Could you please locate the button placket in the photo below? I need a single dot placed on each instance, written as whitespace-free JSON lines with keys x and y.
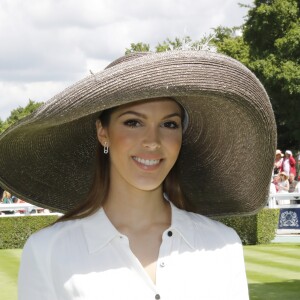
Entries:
{"x":163,"y":260}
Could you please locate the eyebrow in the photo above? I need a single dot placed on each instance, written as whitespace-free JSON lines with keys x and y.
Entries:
{"x":131,"y":112}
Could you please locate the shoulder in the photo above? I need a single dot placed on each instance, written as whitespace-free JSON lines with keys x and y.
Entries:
{"x":204,"y":232}
{"x":44,"y":239}
{"x":213,"y":227}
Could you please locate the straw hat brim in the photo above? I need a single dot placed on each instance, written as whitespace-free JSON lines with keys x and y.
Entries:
{"x":48,"y":158}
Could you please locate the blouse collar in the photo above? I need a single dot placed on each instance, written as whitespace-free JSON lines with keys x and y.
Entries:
{"x":99,"y":231}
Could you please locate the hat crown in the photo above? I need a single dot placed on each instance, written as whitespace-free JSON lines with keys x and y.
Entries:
{"x":126,"y":58}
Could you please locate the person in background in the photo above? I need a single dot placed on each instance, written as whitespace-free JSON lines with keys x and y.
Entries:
{"x":7,"y":199}
{"x":297,"y":190}
{"x":275,"y":181}
{"x":272,"y":200}
{"x":273,"y":189}
{"x":20,"y":201}
{"x":278,"y":161}
{"x":283,"y":183}
{"x":292,"y":183}
{"x":289,"y":164}
{"x":283,"y":187}
{"x":298,"y":166}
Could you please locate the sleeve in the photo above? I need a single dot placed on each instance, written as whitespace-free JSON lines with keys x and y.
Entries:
{"x":34,"y":282}
{"x":292,"y":161}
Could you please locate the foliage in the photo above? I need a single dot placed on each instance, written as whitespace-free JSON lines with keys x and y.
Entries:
{"x":272,"y":32}
{"x":19,"y":113}
{"x":168,"y":44}
{"x":14,"y":231}
{"x":139,"y":47}
{"x":229,"y":41}
{"x":178,"y":43}
{"x":255,"y":229}
{"x":267,"y":222}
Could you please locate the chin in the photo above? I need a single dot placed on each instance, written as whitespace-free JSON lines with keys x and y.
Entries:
{"x":148,"y":187}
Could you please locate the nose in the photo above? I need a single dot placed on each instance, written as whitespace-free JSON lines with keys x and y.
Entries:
{"x":151,"y":139}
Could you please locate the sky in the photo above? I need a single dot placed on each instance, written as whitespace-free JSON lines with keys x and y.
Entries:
{"x":47,"y":45}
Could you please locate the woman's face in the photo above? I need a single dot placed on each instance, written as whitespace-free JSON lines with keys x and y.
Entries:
{"x":144,"y":141}
{"x":282,"y":178}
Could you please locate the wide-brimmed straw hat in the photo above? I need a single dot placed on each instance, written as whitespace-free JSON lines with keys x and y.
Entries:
{"x":278,"y":152}
{"x":284,"y":175}
{"x":228,"y":149}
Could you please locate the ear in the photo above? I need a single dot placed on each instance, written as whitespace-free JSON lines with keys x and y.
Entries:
{"x":101,"y":133}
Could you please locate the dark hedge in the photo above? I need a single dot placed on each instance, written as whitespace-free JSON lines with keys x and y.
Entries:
{"x":14,"y":231}
{"x":255,"y":229}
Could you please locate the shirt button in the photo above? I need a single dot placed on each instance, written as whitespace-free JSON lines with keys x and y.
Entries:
{"x":170,"y":233}
{"x":162,"y":264}
{"x":157,"y":296}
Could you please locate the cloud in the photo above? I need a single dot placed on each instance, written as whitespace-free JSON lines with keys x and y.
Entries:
{"x":46,"y":45}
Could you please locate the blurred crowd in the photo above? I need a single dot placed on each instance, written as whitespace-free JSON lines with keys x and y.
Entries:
{"x":286,"y":173}
{"x":8,"y":198}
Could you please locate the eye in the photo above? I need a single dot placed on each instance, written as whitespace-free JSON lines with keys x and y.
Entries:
{"x":170,"y":124}
{"x":132,"y":123}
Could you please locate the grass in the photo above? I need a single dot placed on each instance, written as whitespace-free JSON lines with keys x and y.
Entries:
{"x":273,"y":272}
{"x":9,"y":265}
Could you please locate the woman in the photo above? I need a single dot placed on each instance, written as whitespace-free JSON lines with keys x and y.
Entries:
{"x":278,"y":161}
{"x":288,"y":165}
{"x":283,"y":187}
{"x":283,"y":183}
{"x":161,"y":124}
{"x":7,"y":199}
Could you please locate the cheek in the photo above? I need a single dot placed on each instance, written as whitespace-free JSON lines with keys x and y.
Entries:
{"x":173,"y":142}
{"x":121,"y":141}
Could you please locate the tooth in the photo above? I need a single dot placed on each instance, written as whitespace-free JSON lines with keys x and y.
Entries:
{"x":148,"y":162}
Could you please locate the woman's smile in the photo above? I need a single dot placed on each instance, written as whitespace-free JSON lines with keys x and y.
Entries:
{"x":147,"y":164}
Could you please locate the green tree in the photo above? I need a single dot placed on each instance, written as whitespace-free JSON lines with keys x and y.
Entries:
{"x":272,"y":31}
{"x":19,"y":113}
{"x":168,"y":44}
{"x":230,"y":41}
{"x":138,"y":47}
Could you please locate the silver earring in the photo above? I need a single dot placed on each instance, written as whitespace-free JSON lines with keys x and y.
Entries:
{"x":105,"y":151}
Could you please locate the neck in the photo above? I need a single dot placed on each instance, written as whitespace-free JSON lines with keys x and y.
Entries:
{"x":136,"y":208}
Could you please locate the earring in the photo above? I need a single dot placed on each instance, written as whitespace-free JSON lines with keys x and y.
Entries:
{"x":105,"y":151}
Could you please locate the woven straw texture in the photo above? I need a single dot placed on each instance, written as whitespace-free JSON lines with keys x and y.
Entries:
{"x":227,"y":156}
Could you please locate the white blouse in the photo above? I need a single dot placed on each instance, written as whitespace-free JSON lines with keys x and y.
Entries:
{"x":89,"y":259}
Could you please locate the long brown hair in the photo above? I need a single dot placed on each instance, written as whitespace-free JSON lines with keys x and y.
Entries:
{"x":101,"y":182}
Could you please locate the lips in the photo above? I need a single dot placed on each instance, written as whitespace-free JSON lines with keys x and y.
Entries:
{"x":146,"y":162}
